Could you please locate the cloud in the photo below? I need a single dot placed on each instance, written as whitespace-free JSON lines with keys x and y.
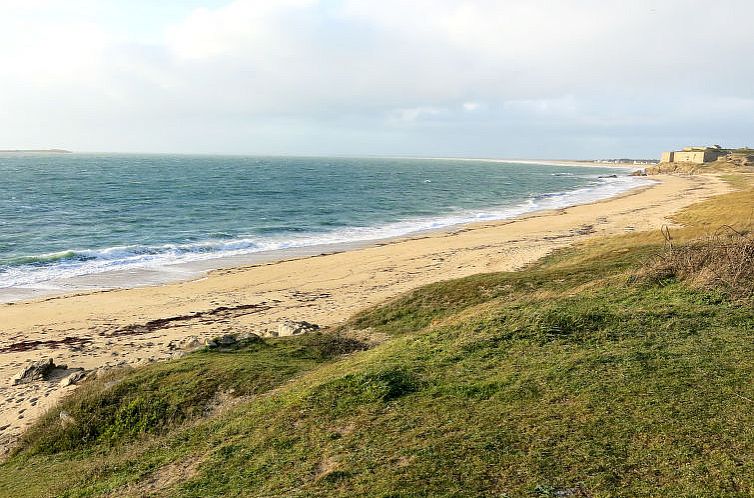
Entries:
{"x":578,"y":78}
{"x":414,"y":114}
{"x":233,"y":29}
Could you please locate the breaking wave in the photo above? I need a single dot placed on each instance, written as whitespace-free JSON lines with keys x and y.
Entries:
{"x":40,"y":270}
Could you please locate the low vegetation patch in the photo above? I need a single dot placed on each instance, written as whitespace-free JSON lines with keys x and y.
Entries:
{"x":130,"y":403}
{"x":723,"y":261}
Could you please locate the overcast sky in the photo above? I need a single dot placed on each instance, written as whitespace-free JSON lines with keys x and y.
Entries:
{"x":481,"y":78}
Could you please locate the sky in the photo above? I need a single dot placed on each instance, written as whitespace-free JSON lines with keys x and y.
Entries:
{"x":476,"y":78}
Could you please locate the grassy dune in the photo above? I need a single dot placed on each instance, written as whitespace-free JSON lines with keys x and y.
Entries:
{"x":614,"y":368}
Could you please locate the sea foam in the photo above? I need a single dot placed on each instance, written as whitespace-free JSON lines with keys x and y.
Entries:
{"x":44,"y":270}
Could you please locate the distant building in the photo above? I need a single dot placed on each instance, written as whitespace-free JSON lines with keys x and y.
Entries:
{"x":697,"y":155}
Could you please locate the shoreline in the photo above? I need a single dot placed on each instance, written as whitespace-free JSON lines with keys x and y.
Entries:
{"x":184,"y":271}
{"x":546,"y":162}
{"x":97,"y":329}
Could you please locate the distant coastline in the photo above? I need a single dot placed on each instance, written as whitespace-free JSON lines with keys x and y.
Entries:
{"x":37,"y":151}
{"x":587,"y":163}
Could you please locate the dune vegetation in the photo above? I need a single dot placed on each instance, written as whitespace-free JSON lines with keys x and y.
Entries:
{"x":623,"y":366}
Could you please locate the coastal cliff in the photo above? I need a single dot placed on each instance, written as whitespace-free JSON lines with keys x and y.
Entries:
{"x":743,"y":163}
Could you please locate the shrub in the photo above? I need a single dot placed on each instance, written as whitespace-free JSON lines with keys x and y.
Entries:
{"x":722,"y":261}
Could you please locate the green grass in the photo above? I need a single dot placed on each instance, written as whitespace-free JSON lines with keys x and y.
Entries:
{"x":571,"y":378}
{"x":153,"y":399}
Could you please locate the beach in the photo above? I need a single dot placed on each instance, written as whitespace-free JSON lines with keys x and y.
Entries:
{"x":106,"y":329}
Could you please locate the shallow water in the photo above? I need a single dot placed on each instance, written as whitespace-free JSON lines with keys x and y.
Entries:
{"x":77,"y":216}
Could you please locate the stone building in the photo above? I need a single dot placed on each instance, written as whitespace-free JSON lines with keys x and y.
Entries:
{"x":697,"y":155}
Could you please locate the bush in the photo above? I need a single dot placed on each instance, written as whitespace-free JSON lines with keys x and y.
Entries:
{"x":722,"y":261}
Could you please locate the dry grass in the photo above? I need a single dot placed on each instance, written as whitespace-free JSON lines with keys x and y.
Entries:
{"x":723,"y":260}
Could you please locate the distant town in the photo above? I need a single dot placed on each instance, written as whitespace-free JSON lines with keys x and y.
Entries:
{"x":626,"y":161}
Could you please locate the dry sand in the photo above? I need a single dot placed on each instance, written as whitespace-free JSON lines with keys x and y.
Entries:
{"x":136,"y":326}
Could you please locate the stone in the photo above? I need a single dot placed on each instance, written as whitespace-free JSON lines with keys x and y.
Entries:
{"x":37,"y":370}
{"x":223,"y":341}
{"x":226,"y":340}
{"x":248,"y":337}
{"x":73,"y":378}
{"x":192,"y":344}
{"x":289,"y":328}
{"x":66,"y":418}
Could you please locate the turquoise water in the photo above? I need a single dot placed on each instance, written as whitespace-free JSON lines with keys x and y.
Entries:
{"x":64,"y":216}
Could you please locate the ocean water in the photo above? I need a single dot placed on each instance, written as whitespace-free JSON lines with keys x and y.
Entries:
{"x":69,"y":216}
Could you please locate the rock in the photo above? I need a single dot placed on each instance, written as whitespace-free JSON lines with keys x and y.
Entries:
{"x":248,"y":337}
{"x":37,"y":370}
{"x":66,"y":418}
{"x":192,"y":344}
{"x":223,"y":341}
{"x":226,"y":340}
{"x":289,"y":328}
{"x":73,"y":378}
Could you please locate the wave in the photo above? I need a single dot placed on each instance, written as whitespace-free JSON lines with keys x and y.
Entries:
{"x":39,"y":270}
{"x":40,"y":259}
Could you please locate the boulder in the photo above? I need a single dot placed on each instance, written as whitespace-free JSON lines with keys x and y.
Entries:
{"x":73,"y":378}
{"x":192,"y":344}
{"x":36,"y":370}
{"x":66,"y":418}
{"x":223,"y":341}
{"x":289,"y":328}
{"x":226,"y":340}
{"x":248,"y":337}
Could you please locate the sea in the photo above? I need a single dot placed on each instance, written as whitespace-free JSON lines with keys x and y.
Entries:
{"x":97,"y":221}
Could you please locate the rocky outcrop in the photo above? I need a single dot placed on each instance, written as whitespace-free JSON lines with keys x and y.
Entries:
{"x":74,"y":378}
{"x":49,"y":371}
{"x":289,"y":328}
{"x":731,"y":162}
{"x":687,"y":168}
{"x":231,"y":341}
{"x":222,"y":341}
{"x":190,"y":343}
{"x":36,"y":370}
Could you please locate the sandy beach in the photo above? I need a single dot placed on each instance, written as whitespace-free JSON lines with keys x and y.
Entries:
{"x":141,"y":325}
